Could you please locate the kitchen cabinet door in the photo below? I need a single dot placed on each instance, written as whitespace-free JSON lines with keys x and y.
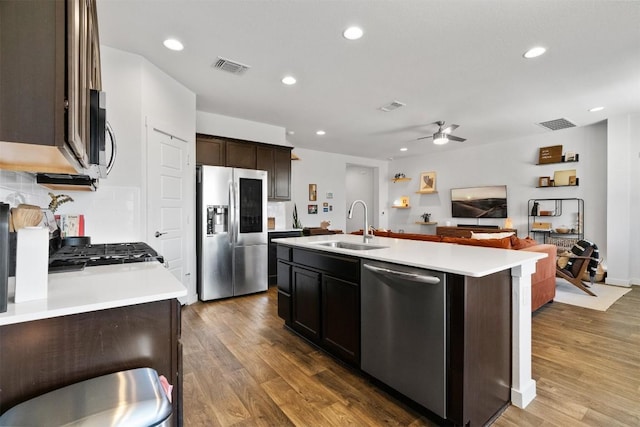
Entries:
{"x":241,"y":155}
{"x":265,"y":161}
{"x":282,"y":174}
{"x":210,"y":151}
{"x":341,"y":318}
{"x":277,"y":162}
{"x":305,"y":296}
{"x":49,"y":61}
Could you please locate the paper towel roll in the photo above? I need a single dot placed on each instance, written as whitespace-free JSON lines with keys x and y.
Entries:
{"x":32,"y":263}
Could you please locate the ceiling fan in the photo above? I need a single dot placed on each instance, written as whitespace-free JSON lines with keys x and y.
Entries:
{"x":443,"y":135}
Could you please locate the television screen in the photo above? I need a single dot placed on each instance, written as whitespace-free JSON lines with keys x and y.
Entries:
{"x":479,"y":202}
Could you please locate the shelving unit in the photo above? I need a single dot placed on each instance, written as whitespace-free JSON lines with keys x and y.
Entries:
{"x":427,"y":192}
{"x":561,"y":162}
{"x":427,"y":223}
{"x":400,"y":179}
{"x":557,"y":186}
{"x":400,"y":207}
{"x":557,"y":208}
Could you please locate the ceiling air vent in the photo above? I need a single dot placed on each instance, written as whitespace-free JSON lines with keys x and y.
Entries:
{"x":557,"y":124}
{"x":230,"y":66}
{"x":392,"y":106}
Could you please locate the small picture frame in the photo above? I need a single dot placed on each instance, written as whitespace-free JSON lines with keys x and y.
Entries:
{"x":313,"y":193}
{"x":544,"y":181}
{"x":570,"y":156}
{"x":573,"y":180}
{"x":427,"y":182}
{"x":312,"y":209}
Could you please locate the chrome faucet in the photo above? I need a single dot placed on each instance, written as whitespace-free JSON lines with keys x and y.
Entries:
{"x":365,"y":231}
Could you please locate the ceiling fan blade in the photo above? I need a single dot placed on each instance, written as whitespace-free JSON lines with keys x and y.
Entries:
{"x":455,"y":138}
{"x":426,"y":137}
{"x":450,"y":128}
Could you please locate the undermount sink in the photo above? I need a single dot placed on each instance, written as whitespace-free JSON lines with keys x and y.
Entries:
{"x":350,"y":245}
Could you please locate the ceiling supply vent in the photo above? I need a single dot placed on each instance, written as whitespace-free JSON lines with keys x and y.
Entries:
{"x":392,"y":106}
{"x":230,"y":66}
{"x":557,"y":124}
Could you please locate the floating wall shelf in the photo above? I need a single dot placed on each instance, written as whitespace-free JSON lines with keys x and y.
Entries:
{"x":401,"y":179}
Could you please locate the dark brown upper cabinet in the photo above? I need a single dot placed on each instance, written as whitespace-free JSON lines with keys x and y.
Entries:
{"x":50,"y":60}
{"x":275,"y":159}
{"x":210,"y":150}
{"x":241,"y":155}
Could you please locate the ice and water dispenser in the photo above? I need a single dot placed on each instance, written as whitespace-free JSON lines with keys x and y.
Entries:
{"x":217,"y":219}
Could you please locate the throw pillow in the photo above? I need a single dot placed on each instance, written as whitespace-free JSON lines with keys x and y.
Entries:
{"x":492,"y":235}
{"x":518,"y":243}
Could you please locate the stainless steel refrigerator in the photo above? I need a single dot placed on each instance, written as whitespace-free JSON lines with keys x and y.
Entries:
{"x":231,"y":232}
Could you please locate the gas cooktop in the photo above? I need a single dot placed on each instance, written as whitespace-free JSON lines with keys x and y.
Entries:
{"x":69,"y":258}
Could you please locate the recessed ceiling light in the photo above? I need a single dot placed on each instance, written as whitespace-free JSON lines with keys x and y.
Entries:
{"x":320,"y":132}
{"x":353,"y":33}
{"x":595,"y":109}
{"x":404,"y":149}
{"x":289,"y":80}
{"x":173,"y":44}
{"x":534,"y":52}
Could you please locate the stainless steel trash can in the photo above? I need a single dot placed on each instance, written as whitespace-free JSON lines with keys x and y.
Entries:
{"x":127,"y":398}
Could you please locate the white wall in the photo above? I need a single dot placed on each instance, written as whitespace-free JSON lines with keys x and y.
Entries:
{"x":329,"y":172}
{"x":623,"y":201}
{"x":512,"y":163}
{"x":231,"y":127}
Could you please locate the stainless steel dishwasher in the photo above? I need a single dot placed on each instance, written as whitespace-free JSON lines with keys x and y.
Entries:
{"x":403,"y":331}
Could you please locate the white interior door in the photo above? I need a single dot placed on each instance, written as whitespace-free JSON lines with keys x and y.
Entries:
{"x":167,"y":216}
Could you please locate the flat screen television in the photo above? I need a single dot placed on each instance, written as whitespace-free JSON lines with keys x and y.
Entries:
{"x":479,"y":202}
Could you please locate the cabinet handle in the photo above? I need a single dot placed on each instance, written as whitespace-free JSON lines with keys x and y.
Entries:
{"x":433,"y":280}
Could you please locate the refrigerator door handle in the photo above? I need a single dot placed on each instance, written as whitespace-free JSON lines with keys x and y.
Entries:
{"x":231,"y":226}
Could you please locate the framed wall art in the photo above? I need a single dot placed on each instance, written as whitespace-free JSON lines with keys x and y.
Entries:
{"x":313,"y":192}
{"x":427,"y":182}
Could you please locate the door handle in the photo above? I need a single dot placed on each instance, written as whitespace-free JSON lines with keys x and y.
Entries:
{"x":158,"y":234}
{"x":412,"y":277}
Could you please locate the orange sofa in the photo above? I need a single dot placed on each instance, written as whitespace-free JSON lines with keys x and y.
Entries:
{"x":543,"y":281}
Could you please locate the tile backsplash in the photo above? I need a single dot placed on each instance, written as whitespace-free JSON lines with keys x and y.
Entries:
{"x":21,"y":187}
{"x":112,"y":214}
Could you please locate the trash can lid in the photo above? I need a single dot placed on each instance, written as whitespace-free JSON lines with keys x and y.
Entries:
{"x":127,"y":398}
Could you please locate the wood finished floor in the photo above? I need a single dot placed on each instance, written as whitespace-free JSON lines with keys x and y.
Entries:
{"x":242,"y":368}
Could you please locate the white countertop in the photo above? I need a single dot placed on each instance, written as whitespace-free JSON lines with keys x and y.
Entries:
{"x":286,"y":230}
{"x":466,"y":260}
{"x":97,"y":288}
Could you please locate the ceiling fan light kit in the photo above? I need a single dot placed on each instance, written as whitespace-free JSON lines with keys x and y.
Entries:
{"x":443,"y":135}
{"x":440,"y":139}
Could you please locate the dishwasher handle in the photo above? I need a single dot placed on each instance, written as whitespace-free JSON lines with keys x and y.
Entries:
{"x":432,"y":280}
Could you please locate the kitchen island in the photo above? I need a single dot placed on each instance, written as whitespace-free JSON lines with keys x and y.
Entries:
{"x":93,"y":322}
{"x":322,"y":295}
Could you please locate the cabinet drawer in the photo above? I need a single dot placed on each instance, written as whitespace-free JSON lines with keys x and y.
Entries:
{"x":284,"y":253}
{"x":342,"y":267}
